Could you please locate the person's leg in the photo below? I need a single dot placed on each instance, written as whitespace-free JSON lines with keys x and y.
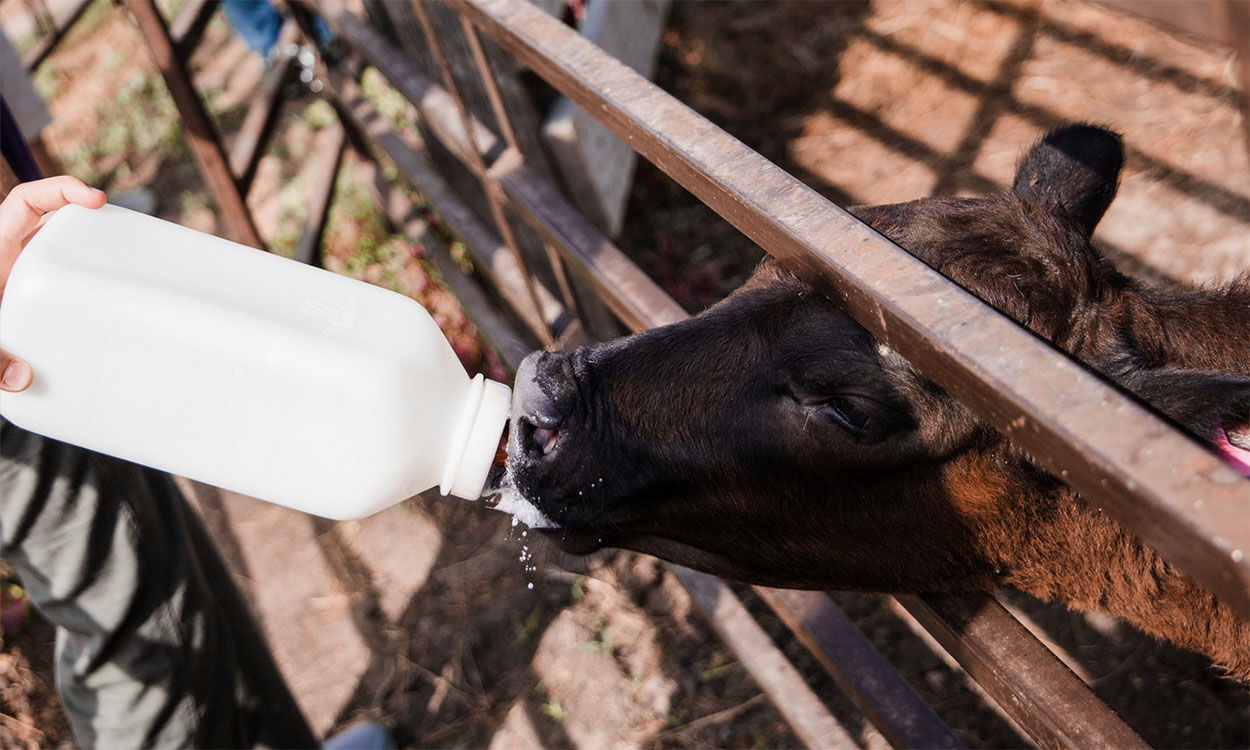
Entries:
{"x":155,"y":645}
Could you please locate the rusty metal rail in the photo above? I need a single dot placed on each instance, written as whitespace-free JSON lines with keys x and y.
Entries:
{"x":802,"y":710}
{"x":186,"y":28}
{"x":40,"y":50}
{"x":1027,"y":681}
{"x":858,"y":669}
{"x":201,"y":134}
{"x":489,"y":254}
{"x":245,"y":151}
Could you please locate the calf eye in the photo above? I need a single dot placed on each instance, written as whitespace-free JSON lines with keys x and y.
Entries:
{"x":851,"y":416}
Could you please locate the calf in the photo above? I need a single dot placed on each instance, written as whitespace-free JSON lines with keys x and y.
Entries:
{"x":772,"y":439}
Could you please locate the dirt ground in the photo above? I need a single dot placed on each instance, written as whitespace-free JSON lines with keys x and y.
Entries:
{"x":424,"y":617}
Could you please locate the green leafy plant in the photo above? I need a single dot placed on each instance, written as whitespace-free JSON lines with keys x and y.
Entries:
{"x":523,"y":631}
{"x":602,"y":642}
{"x":552,"y":709}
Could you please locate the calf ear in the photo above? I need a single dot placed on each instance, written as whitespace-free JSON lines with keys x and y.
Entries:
{"x":1076,"y":167}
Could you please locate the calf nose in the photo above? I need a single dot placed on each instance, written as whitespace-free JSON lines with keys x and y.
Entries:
{"x":542,"y":398}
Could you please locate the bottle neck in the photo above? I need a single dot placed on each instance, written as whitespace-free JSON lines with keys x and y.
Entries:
{"x":476,"y":437}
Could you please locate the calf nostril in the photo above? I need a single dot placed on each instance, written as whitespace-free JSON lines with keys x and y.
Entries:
{"x":543,"y":398}
{"x":537,"y":441}
{"x":545,"y":439}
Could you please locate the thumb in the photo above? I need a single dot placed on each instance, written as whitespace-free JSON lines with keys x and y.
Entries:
{"x":15,"y":374}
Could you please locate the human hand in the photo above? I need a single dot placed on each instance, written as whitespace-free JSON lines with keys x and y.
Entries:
{"x":21,"y":213}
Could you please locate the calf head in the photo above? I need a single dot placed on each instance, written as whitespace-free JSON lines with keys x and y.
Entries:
{"x":772,"y":439}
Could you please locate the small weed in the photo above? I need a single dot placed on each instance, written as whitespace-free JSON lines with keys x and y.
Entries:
{"x":47,"y":81}
{"x":460,"y":254}
{"x":390,"y":103}
{"x":716,"y":667}
{"x":171,"y":7}
{"x":522,"y":632}
{"x":116,"y":59}
{"x":602,"y":643}
{"x":190,"y":202}
{"x":318,"y":115}
{"x":578,"y":590}
{"x":293,"y":209}
{"x":210,"y":96}
{"x":552,"y":709}
{"x":356,"y":230}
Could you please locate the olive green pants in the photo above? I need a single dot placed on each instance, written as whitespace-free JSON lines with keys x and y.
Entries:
{"x":155,"y":646}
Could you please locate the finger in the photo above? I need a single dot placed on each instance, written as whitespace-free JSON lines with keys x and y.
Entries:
{"x":15,"y":374}
{"x":28,"y":202}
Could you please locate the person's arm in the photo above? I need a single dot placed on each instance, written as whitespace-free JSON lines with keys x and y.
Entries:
{"x":21,"y":213}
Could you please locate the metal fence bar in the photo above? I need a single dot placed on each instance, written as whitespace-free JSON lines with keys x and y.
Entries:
{"x":487,"y":76}
{"x":858,"y":669}
{"x":796,"y":702}
{"x":500,"y":334}
{"x":1038,"y":691}
{"x":489,"y":255}
{"x":188,"y":26}
{"x":1156,"y":481}
{"x":320,"y":191}
{"x":629,"y":293}
{"x":200,"y":132}
{"x":42,"y":48}
{"x":489,"y":84}
{"x":490,"y":186}
{"x":438,"y":110}
{"x":249,"y":142}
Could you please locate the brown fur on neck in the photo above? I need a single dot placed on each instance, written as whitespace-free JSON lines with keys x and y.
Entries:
{"x":1056,"y":546}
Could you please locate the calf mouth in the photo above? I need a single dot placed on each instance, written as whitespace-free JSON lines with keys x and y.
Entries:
{"x":536,"y":441}
{"x":549,"y":453}
{"x":532,"y":448}
{"x":525,"y":442}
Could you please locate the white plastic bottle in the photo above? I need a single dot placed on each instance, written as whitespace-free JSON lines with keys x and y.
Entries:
{"x":202,"y":357}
